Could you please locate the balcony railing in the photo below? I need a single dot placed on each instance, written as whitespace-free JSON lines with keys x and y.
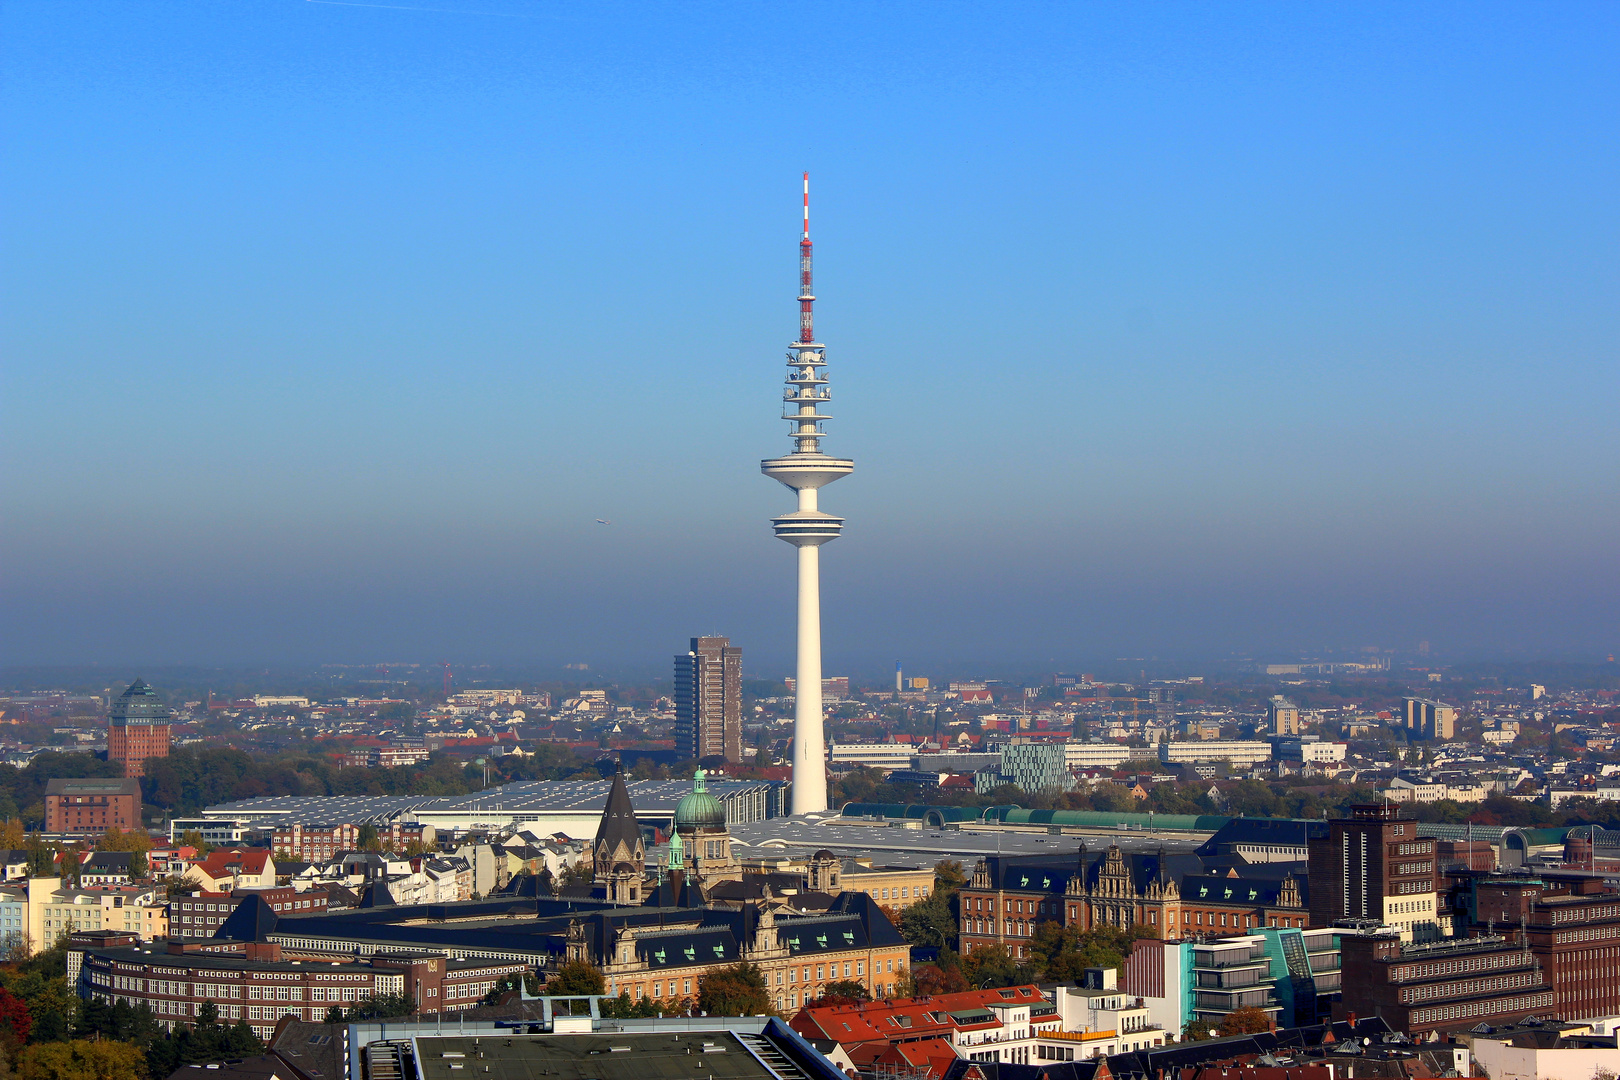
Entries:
{"x":1258,"y":999}
{"x":1233,"y":978}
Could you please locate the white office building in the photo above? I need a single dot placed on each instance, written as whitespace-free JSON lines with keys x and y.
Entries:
{"x":1234,"y":751}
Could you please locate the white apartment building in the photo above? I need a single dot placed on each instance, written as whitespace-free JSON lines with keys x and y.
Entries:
{"x":1235,"y":751}
{"x":887,"y":756}
{"x":1310,"y":751}
{"x":1602,"y":793}
{"x":1082,"y":755}
{"x":1401,"y":790}
{"x":1098,"y":1018}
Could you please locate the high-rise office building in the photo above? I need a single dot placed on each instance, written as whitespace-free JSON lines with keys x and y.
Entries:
{"x":139,"y":728}
{"x":1373,"y":865}
{"x":708,"y":700}
{"x":1431,"y":719}
{"x":1282,"y":716}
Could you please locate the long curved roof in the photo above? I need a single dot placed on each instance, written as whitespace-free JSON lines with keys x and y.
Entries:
{"x":1016,"y":815}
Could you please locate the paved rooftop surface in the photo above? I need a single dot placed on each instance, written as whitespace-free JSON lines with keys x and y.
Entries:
{"x":676,"y":1056}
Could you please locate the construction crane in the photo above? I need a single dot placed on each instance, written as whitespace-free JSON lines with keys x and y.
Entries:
{"x":1135,"y":704}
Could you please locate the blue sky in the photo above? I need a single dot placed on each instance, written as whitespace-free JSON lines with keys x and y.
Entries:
{"x":1178,"y":329}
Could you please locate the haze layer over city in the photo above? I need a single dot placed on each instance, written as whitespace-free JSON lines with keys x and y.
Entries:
{"x":360,"y":333}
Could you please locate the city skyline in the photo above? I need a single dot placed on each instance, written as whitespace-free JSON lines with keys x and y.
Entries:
{"x":1237,"y":331}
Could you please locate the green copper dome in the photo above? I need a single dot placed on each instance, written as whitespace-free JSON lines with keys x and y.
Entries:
{"x":699,"y":810}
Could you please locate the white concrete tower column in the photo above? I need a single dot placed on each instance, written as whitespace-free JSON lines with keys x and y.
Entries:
{"x":806,"y":470}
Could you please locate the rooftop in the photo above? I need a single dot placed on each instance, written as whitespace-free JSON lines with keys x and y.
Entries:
{"x":716,"y":1053}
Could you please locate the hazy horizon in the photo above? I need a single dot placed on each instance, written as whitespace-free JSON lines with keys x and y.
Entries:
{"x":1174,"y":330}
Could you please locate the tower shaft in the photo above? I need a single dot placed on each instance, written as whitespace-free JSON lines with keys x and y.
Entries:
{"x":809,"y":738}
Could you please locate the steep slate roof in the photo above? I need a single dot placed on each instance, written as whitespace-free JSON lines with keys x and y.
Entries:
{"x":105,"y":862}
{"x":1245,"y":888}
{"x":853,"y":922}
{"x":251,"y":921}
{"x":1287,"y":832}
{"x":376,"y":895}
{"x":619,"y":824}
{"x":1051,"y":873}
{"x":666,"y":895}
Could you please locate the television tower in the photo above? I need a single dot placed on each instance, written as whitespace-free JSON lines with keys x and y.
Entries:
{"x":806,"y":470}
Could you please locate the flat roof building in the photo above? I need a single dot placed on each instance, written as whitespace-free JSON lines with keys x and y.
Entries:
{"x":90,"y":806}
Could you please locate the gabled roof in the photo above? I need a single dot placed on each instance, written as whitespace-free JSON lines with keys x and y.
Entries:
{"x":912,"y":1018}
{"x":228,"y":861}
{"x":105,"y":862}
{"x":1051,"y":873}
{"x":688,"y":895}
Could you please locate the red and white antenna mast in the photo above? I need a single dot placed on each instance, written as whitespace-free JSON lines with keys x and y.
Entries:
{"x":807,"y":294}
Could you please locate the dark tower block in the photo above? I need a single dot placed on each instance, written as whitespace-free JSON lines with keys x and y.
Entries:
{"x":708,"y":700}
{"x":1372,"y":865}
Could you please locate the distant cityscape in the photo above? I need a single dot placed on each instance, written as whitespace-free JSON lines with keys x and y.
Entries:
{"x":1141,"y":866}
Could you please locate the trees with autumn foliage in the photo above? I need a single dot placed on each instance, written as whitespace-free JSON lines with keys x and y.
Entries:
{"x":1062,"y":953}
{"x":15,"y":1022}
{"x":1245,"y":1021}
{"x":925,"y":980}
{"x":81,"y":1059}
{"x":841,"y":992}
{"x":738,"y":990}
{"x":576,"y":979}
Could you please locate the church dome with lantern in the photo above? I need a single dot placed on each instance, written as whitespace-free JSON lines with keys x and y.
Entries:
{"x":699,"y":811}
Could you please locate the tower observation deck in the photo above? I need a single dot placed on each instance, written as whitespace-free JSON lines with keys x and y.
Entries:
{"x":806,"y":470}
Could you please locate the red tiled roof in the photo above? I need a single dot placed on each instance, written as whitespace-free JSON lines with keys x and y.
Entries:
{"x":911,"y":1019}
{"x":221,"y":863}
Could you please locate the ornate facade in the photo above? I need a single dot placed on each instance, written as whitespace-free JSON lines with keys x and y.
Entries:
{"x":663,"y":953}
{"x":1008,"y":897}
{"x":1172,"y":895}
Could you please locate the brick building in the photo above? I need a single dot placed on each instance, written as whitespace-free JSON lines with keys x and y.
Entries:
{"x":1007,"y":897}
{"x":138,"y":729}
{"x":259,"y":983}
{"x":201,"y":914}
{"x":1571,"y":924}
{"x":317,"y":843}
{"x":1443,"y":986}
{"x":1373,"y":865}
{"x":90,"y":807}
